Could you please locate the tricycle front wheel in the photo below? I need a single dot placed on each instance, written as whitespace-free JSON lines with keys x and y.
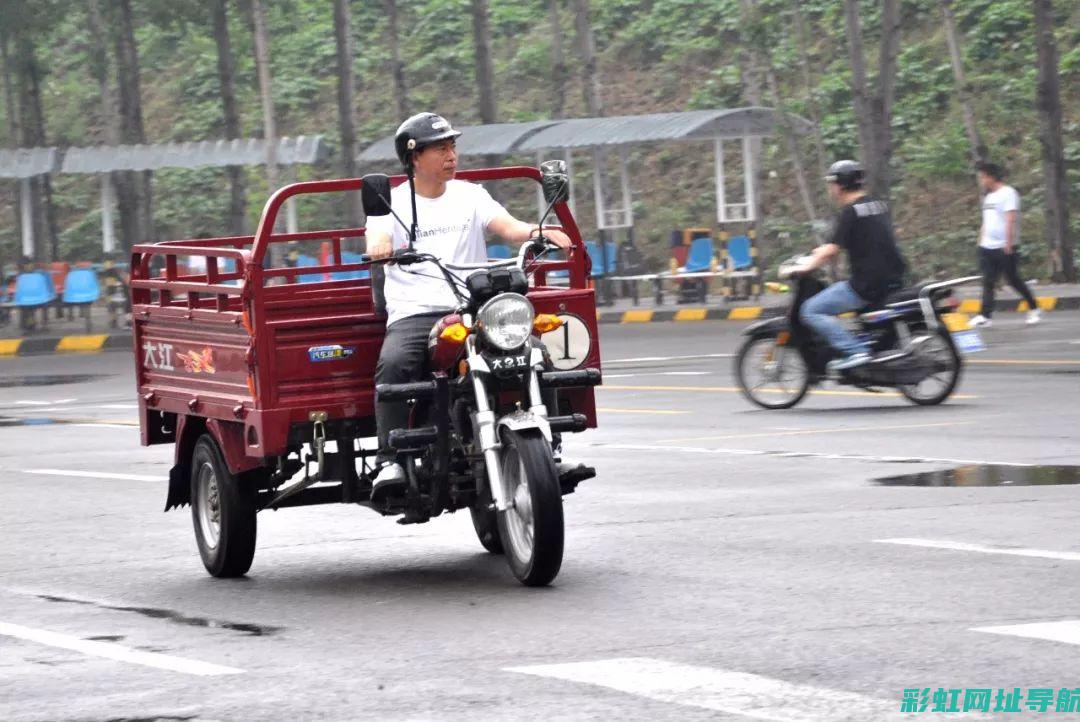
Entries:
{"x":532,"y":528}
{"x":223,"y":510}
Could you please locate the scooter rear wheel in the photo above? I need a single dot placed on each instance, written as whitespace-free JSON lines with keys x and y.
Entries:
{"x":770,"y":375}
{"x":940,"y":351}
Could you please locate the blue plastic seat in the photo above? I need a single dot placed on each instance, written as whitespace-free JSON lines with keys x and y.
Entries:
{"x":612,"y":257}
{"x":34,"y":289}
{"x":348,"y":257}
{"x":739,"y":252}
{"x":597,"y":259}
{"x":700,"y":257}
{"x":303,"y":261}
{"x":498,"y":251}
{"x":81,"y":286}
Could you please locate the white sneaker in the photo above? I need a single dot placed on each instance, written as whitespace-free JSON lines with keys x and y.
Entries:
{"x":1034,"y":316}
{"x":980,"y":320}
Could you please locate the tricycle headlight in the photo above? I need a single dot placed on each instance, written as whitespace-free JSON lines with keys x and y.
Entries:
{"x":506,"y":321}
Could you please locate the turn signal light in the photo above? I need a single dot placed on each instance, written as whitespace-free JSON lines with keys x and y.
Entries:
{"x":545,"y":322}
{"x":455,"y":333}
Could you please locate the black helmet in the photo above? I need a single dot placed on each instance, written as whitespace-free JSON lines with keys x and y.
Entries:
{"x":848,"y":174}
{"x":420,"y":130}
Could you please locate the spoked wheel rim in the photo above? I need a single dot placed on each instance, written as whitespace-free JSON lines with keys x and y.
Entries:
{"x":209,"y":505}
{"x":772,"y":375}
{"x":938,"y":352}
{"x":520,"y":520}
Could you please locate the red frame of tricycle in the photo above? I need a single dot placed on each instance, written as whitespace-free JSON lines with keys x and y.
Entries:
{"x":233,"y":356}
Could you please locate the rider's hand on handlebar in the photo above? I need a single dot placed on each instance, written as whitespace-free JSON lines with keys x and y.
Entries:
{"x":380,"y":249}
{"x":559,"y":238}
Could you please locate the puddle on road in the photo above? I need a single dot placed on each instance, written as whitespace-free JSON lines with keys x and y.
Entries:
{"x":8,"y":382}
{"x":253,"y":630}
{"x":988,"y":475}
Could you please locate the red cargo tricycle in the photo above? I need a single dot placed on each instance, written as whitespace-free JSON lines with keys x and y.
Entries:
{"x":261,"y":374}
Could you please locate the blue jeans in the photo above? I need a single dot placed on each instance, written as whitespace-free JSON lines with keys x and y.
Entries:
{"x":820,"y":314}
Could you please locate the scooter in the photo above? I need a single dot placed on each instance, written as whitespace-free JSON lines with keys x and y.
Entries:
{"x":913,"y":349}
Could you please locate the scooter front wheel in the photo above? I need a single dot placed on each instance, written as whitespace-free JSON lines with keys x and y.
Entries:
{"x":770,"y":374}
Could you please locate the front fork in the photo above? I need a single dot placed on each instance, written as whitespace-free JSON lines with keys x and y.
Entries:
{"x":486,"y":427}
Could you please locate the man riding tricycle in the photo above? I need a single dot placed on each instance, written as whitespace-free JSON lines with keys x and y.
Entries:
{"x":271,"y":388}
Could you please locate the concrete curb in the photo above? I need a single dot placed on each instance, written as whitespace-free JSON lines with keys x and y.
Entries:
{"x":749,"y":313}
{"x":122,"y":341}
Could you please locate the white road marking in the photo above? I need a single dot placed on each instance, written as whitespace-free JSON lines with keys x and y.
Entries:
{"x":95,"y":474}
{"x":33,"y":403}
{"x":797,"y":454}
{"x":1067,"y":630}
{"x":739,"y":693}
{"x":658,"y":373}
{"x":122,"y":407}
{"x":984,"y":549}
{"x":643,"y":359}
{"x":805,"y":432}
{"x":118,"y":652}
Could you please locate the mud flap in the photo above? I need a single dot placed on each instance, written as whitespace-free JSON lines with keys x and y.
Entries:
{"x":179,"y":488}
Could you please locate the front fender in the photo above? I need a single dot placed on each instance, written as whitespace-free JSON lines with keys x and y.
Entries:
{"x":522,"y":420}
{"x":768,"y":327}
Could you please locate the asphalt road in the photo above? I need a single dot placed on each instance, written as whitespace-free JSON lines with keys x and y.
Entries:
{"x":727,"y":563}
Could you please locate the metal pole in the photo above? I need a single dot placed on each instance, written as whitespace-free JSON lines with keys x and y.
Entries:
{"x":292,"y":223}
{"x":624,"y":179}
{"x":108,"y":231}
{"x":26,"y":205}
{"x":540,"y":204}
{"x":748,"y":179}
{"x":598,"y":189}
{"x":569,"y":154}
{"x":721,"y":196}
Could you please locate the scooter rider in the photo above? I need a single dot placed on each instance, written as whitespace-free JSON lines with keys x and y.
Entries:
{"x":864,"y":229}
{"x":453,"y":216}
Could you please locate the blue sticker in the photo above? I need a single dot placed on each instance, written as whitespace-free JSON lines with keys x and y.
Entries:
{"x":330,"y":353}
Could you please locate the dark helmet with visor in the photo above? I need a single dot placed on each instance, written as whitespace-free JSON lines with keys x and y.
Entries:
{"x":847,"y":174}
{"x":418,"y":131}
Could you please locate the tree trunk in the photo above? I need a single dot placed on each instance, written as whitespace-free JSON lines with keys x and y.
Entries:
{"x":32,"y":128}
{"x":590,"y":75}
{"x":345,"y":91}
{"x":226,"y":79}
{"x":811,"y":104}
{"x":262,"y":64}
{"x":558,"y":62}
{"x":860,"y":94}
{"x":1048,"y":101}
{"x":882,"y":104}
{"x":397,"y":70}
{"x":963,"y":90}
{"x":485,"y":76}
{"x":12,"y":115}
{"x":131,"y":121}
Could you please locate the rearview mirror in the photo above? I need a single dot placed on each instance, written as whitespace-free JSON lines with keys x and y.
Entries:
{"x":555,"y":181}
{"x":375,"y":194}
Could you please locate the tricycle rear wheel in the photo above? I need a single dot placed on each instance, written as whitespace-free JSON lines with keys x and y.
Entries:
{"x":223,"y":510}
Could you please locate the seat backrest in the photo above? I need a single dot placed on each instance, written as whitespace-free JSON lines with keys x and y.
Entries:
{"x":739,"y":252}
{"x":349,"y":257}
{"x":305,"y":261}
{"x":700,"y":257}
{"x":81,"y":286}
{"x":33,"y":289}
{"x":593,"y":248}
{"x":612,"y":249}
{"x":499,"y":251}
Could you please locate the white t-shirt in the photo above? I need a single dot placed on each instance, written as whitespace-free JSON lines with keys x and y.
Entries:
{"x":994,"y":207}
{"x":451,"y":228}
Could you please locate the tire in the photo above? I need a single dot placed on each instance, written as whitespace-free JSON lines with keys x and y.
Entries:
{"x":223,"y":512}
{"x":755,"y":393}
{"x":486,"y":523}
{"x":941,"y":346}
{"x":532,"y":530}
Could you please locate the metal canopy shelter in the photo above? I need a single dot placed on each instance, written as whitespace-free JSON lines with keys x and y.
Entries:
{"x":24,"y":164}
{"x":618,"y":133}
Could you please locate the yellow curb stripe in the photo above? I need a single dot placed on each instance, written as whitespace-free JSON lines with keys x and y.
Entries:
{"x":956,"y":321}
{"x":81,"y":344}
{"x":637,"y":316}
{"x":746,"y":313}
{"x":10,"y":346}
{"x":970,"y":305}
{"x":691,"y":314}
{"x":1046,"y":303}
{"x":735,"y":390}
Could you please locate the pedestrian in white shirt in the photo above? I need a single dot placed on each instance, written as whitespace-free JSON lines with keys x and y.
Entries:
{"x":998,"y":239}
